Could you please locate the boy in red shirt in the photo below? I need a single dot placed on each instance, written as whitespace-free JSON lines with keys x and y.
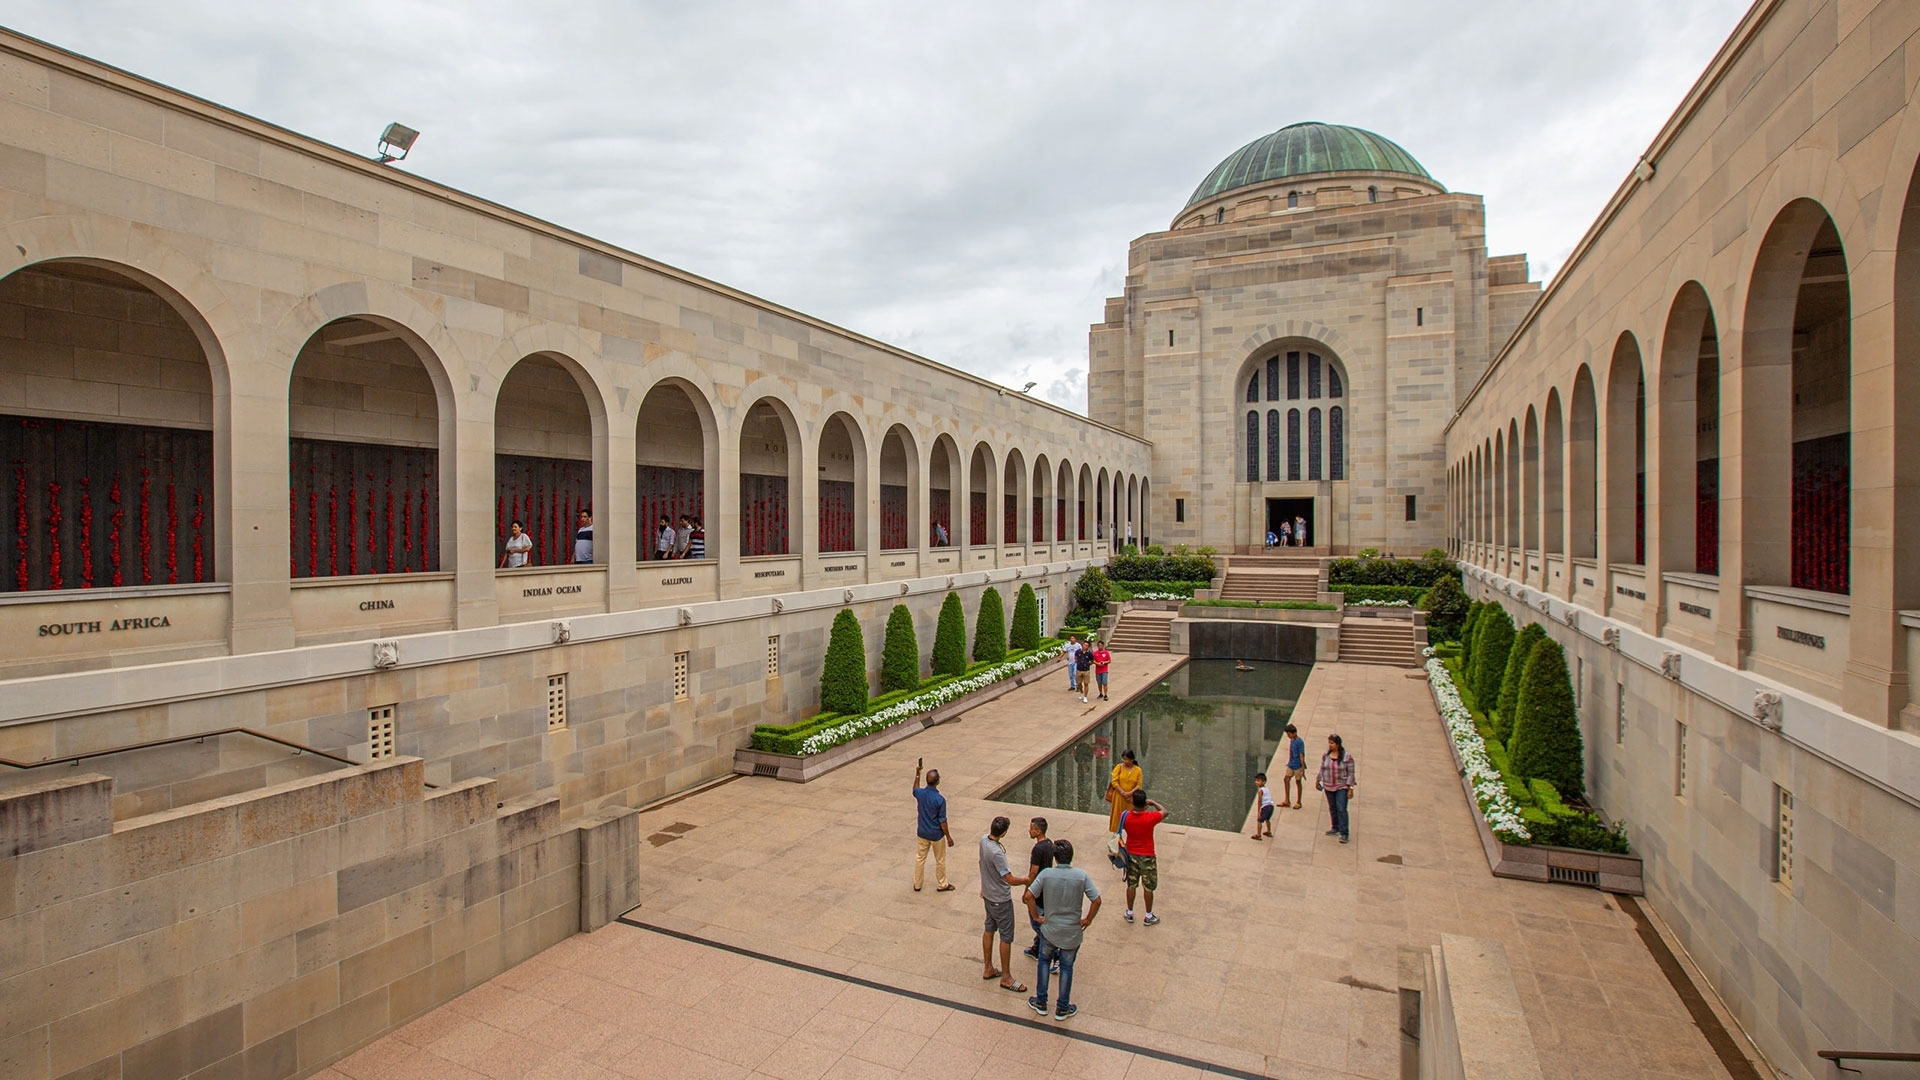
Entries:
{"x":1101,"y":658}
{"x":1143,"y":872}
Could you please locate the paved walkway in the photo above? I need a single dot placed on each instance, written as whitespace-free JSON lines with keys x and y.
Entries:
{"x":786,"y":940}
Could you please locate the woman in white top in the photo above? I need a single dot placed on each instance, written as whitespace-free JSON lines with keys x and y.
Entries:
{"x":519,"y":547}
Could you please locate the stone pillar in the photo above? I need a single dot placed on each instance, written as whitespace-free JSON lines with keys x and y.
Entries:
{"x":1874,"y":683}
{"x":723,"y":502}
{"x":251,"y":489}
{"x":1653,"y":611}
{"x":470,"y":493}
{"x":803,"y":504}
{"x":616,"y":509}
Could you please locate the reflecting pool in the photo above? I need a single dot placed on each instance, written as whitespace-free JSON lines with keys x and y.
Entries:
{"x":1200,"y":736}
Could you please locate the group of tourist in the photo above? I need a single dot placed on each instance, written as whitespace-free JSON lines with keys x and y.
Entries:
{"x":517,"y":551}
{"x":1088,"y":659}
{"x":1061,"y":899}
{"x":687,"y":540}
{"x":1291,"y":534}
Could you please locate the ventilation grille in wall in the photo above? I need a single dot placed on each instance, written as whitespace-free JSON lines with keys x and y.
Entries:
{"x":380,"y":741}
{"x":679,"y":676}
{"x":773,"y":656}
{"x":1570,"y":876}
{"x":1783,"y":838}
{"x":556,"y":701}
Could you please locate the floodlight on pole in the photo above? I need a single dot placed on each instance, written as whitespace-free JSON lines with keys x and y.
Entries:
{"x":396,"y":141}
{"x":1028,"y":387}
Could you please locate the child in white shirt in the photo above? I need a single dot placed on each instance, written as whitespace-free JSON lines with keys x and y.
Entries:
{"x":1264,"y":798}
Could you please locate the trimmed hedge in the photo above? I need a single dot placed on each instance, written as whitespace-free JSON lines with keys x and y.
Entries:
{"x":787,"y":738}
{"x":1424,"y":573}
{"x":1412,"y":594}
{"x":1529,"y":636}
{"x":1446,"y":606}
{"x":900,"y":658}
{"x":1158,"y":567}
{"x":950,"y":638}
{"x":1491,"y":641}
{"x":1546,"y":732}
{"x":843,"y":675}
{"x":1093,"y":590}
{"x":990,"y":628}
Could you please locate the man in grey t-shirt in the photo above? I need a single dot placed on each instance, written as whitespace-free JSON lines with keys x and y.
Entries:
{"x":995,"y":877}
{"x":1053,"y":899}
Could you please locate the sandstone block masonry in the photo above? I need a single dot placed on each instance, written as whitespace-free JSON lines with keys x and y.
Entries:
{"x":266,"y":934}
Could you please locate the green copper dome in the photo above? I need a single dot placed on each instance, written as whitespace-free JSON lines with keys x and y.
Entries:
{"x":1310,"y":147}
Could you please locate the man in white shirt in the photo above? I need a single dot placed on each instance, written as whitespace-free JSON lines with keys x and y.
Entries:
{"x":583,"y":539}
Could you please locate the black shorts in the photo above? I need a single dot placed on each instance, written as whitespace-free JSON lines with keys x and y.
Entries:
{"x":1266,"y":812}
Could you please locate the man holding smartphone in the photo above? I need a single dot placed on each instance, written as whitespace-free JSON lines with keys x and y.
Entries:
{"x":931,"y":829}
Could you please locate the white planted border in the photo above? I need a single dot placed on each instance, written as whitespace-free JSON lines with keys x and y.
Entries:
{"x":1379,"y":603}
{"x":1489,"y":788}
{"x":921,"y":703}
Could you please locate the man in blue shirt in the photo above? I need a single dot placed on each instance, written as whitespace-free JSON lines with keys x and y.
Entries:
{"x":932,"y":830}
{"x":1053,"y":900}
{"x":1296,"y":778}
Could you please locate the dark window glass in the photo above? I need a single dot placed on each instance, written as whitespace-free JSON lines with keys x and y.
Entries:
{"x":1313,"y":444}
{"x":1273,"y":378}
{"x":1253,"y":445}
{"x":1334,"y":387}
{"x":1419,"y":316}
{"x":1337,"y":444}
{"x":1179,"y":509}
{"x":1412,"y":515}
{"x":1293,"y":199}
{"x":1220,"y":215}
{"x":1293,"y":444}
{"x":1293,"y":376}
{"x":1253,"y":387}
{"x":1313,"y":375}
{"x":1373,"y":194}
{"x":1273,"y":444}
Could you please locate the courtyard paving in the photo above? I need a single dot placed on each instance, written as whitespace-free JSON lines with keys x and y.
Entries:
{"x":779,"y":935}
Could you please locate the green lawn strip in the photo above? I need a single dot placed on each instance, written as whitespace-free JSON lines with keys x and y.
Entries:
{"x":1271,"y":605}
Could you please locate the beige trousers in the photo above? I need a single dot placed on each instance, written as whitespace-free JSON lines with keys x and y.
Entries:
{"x":939,"y":862}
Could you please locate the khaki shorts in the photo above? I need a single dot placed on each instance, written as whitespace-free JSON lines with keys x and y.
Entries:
{"x":1300,"y":772}
{"x":1143,"y":872}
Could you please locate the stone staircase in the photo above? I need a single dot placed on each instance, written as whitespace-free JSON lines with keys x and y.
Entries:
{"x":1389,"y":642}
{"x":1294,"y":575}
{"x":1142,"y":630}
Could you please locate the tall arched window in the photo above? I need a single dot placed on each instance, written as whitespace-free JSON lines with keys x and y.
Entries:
{"x":1253,"y":445}
{"x":1293,"y":376}
{"x":1293,"y":444}
{"x":1334,"y":389}
{"x":1273,"y":378}
{"x":1273,"y":444}
{"x":1253,"y":387}
{"x":1336,"y":442}
{"x":1313,"y":375}
{"x":1313,"y":444}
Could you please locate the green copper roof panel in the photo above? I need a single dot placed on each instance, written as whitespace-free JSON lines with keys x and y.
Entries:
{"x":1299,"y":149}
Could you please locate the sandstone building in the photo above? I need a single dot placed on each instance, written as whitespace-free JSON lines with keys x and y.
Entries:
{"x":1313,"y":315}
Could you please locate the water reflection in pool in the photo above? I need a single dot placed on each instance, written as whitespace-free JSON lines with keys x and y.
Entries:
{"x":1200,"y":736}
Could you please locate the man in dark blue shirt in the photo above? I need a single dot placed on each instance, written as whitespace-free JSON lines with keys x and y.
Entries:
{"x":932,"y":830}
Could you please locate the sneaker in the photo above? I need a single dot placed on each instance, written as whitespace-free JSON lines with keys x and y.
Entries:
{"x":1151,"y":918}
{"x":1066,"y":1012}
{"x":1127,"y":914}
{"x":1333,"y":832}
{"x":1038,"y":1005}
{"x":1343,"y":839}
{"x":1032,"y":953}
{"x":1083,"y":699}
{"x":1054,"y":968}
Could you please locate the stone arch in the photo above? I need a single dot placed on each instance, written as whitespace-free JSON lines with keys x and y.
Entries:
{"x":1688,"y":434}
{"x":1530,"y":482}
{"x":1583,"y":483}
{"x":1626,"y":453}
{"x":843,"y":496}
{"x":1795,"y":431}
{"x":676,"y":455}
{"x":1042,"y":513}
{"x":900,"y":499}
{"x":550,"y":455}
{"x":1553,"y":475}
{"x":770,"y":462}
{"x":1511,"y":487}
{"x":1498,"y":490}
{"x":946,"y":481}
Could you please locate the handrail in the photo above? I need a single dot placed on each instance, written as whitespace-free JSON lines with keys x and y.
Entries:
{"x":1868,"y":1055}
{"x":75,"y":759}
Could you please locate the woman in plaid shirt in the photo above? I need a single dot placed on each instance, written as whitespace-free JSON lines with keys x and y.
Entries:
{"x":1336,"y":779}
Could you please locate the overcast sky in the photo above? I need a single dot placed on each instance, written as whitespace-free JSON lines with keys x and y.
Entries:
{"x":959,"y":180}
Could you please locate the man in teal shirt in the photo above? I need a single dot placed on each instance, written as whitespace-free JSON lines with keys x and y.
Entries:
{"x":1053,"y":900}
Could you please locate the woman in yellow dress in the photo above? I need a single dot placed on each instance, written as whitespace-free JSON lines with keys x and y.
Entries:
{"x":1120,"y":789}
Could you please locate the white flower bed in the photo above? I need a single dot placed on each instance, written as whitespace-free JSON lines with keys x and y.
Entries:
{"x":1378,"y":603}
{"x":1160,"y":596}
{"x":924,"y":702}
{"x":1496,"y":805}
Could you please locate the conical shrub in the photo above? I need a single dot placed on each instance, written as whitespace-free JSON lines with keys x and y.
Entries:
{"x":1026,"y":621}
{"x":1472,"y":623}
{"x":1446,"y":606}
{"x":950,"y":638}
{"x":1492,"y":639}
{"x":990,"y":628}
{"x":900,"y":657}
{"x":1523,"y":643}
{"x":843,"y":676}
{"x":1546,"y":732}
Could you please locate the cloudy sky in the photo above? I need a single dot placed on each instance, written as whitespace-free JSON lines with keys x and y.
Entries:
{"x":959,"y":180}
